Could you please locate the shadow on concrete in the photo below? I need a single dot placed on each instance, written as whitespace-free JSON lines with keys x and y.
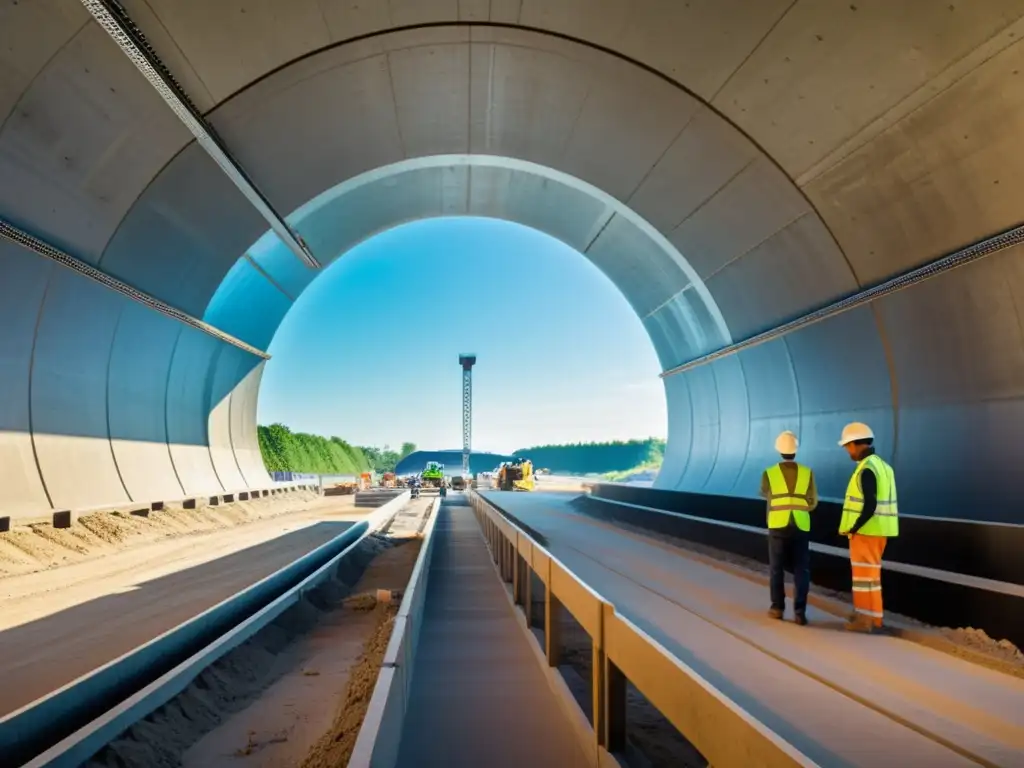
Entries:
{"x":42,"y":655}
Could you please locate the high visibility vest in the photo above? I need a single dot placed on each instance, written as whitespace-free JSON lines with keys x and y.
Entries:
{"x":784,"y":502}
{"x":885,"y":521}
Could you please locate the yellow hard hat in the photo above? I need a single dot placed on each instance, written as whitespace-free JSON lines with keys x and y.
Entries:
{"x":856,"y":431}
{"x":786,"y":443}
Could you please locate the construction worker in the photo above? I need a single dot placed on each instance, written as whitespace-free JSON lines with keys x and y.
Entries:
{"x":792,"y":496}
{"x":870,"y":518}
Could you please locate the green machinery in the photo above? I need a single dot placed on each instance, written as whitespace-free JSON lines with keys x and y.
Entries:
{"x":433,"y":474}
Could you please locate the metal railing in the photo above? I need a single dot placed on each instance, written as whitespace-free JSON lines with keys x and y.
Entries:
{"x":723,"y":732}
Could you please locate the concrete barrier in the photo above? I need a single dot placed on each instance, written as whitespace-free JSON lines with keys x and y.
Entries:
{"x":381,"y":732}
{"x":719,"y":727}
{"x":68,"y":726}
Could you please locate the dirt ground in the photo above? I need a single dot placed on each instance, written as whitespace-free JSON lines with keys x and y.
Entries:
{"x":59,"y":623}
{"x":40,"y":546}
{"x":334,"y":748}
{"x":268,"y":703}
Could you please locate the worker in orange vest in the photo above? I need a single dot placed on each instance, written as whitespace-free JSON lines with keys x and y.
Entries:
{"x":870,"y":518}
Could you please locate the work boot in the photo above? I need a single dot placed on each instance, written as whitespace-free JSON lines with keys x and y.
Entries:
{"x":801,"y":619}
{"x":856,"y":623}
{"x":775,"y":613}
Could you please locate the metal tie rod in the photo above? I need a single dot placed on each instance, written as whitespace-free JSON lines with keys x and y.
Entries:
{"x":129,"y":38}
{"x":47,"y":251}
{"x":960,"y":258}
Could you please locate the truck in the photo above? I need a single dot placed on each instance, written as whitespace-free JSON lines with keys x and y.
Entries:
{"x":433,"y":474}
{"x":516,"y":475}
{"x":458,"y":483}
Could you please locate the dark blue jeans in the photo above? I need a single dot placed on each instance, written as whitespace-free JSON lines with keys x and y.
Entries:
{"x":789,"y":550}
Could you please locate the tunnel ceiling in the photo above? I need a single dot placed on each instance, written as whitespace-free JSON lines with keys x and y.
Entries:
{"x":765,"y":157}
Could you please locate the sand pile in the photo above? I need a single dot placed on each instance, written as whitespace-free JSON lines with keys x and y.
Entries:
{"x":235,"y":680}
{"x":39,"y":546}
{"x":230,"y":683}
{"x":334,"y":748}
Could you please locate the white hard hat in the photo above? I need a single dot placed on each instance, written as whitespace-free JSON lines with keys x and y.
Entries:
{"x":786,"y":443}
{"x":856,"y":431}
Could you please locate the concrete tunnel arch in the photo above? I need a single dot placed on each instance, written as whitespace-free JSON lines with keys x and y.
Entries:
{"x":100,"y":425}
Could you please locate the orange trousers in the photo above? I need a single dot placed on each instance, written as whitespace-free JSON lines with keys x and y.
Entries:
{"x":866,"y":561}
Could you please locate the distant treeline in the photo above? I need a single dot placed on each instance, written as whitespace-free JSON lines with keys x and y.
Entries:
{"x":287,"y":451}
{"x":597,"y":458}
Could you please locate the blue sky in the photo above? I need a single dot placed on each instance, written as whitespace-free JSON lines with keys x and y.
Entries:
{"x":370,"y":350}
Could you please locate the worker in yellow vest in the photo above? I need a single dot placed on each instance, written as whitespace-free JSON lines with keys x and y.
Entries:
{"x":792,"y":496}
{"x":870,"y":518}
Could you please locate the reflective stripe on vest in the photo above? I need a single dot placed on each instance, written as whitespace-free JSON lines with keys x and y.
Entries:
{"x":885,"y":521}
{"x":784,"y":502}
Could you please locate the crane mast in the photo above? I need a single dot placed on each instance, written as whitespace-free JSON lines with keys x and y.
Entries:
{"x":467,"y":362}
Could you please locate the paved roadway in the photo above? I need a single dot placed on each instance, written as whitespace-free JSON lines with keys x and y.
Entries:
{"x":478,"y":697}
{"x":126,"y":599}
{"x":844,"y":699}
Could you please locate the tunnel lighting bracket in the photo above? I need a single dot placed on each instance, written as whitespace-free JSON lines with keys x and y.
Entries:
{"x":971,"y":253}
{"x":25,"y":240}
{"x":113,"y":18}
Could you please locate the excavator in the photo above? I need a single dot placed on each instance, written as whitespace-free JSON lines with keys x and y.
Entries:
{"x":516,"y":475}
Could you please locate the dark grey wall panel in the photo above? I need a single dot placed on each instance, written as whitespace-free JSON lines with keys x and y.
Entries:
{"x":231,"y":307}
{"x":188,"y":386}
{"x":680,"y":432}
{"x":440,"y":124}
{"x":184,"y":234}
{"x":568,"y":214}
{"x":347,"y":220}
{"x":734,"y":433}
{"x":83,"y":141}
{"x":22,"y":287}
{"x":797,"y":269}
{"x":706,"y":417}
{"x":642,"y":270}
{"x":684,"y":329}
{"x":140,"y":363}
{"x":843,"y":376}
{"x":307,"y":129}
{"x":69,"y":392}
{"x":506,"y":77}
{"x":752,"y":206}
{"x":958,"y":348}
{"x":707,"y":154}
{"x":230,"y":367}
{"x":616,"y":154}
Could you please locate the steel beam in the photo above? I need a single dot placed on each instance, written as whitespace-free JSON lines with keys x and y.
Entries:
{"x":30,"y":242}
{"x":974,"y":252}
{"x":113,"y":18}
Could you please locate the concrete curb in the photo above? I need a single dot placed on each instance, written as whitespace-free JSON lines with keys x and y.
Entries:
{"x":380,"y":734}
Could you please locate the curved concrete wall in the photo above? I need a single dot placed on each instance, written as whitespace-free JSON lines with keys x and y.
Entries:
{"x":869,"y":159}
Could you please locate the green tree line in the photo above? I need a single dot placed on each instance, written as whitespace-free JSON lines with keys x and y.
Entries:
{"x":597,"y":458}
{"x":287,"y":451}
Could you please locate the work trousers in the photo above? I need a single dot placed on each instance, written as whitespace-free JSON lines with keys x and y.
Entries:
{"x":789,"y":550}
{"x":866,"y":563}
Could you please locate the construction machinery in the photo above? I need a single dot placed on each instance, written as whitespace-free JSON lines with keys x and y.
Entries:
{"x":433,"y":474}
{"x":516,"y":475}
